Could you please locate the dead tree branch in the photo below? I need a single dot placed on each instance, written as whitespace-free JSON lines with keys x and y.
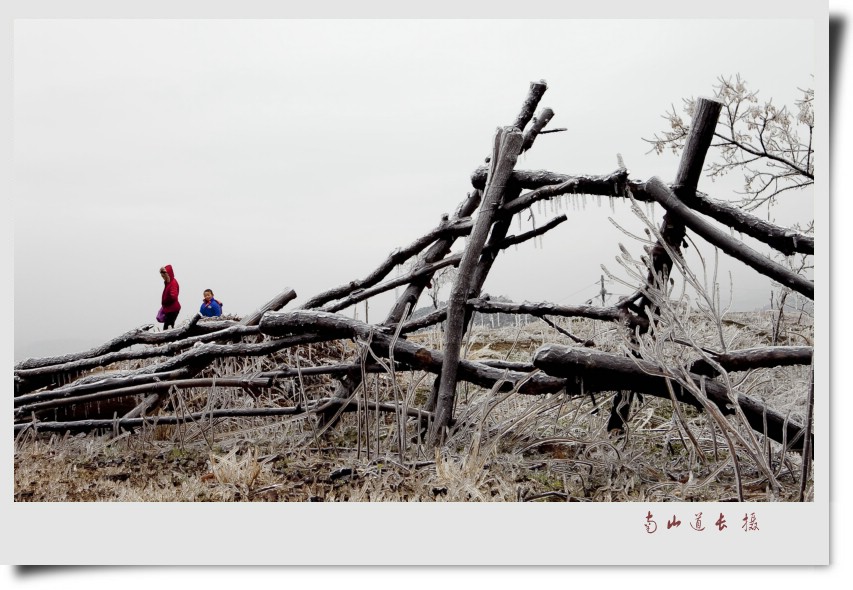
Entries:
{"x":130,"y":423}
{"x":754,"y":358}
{"x":507,"y":146}
{"x":326,"y":326}
{"x":446,"y":229}
{"x":274,"y":304}
{"x":734,"y":248}
{"x":599,"y":371}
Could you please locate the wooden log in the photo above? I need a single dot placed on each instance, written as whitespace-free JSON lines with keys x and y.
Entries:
{"x":187,"y":364}
{"x":27,"y":380}
{"x":598,"y":371}
{"x":782,"y":239}
{"x":613,"y":184}
{"x":605,"y":185}
{"x":446,"y":229}
{"x":114,"y":357}
{"x":130,"y":423}
{"x":31,"y":379}
{"x":541,"y":309}
{"x":535,"y":129}
{"x":141,"y":335}
{"x":785,"y":241}
{"x":507,"y":147}
{"x":86,"y":385}
{"x":420,"y":271}
{"x":754,"y":358}
{"x":264,"y":380}
{"x":198,"y":357}
{"x":328,"y":326}
{"x":531,"y":101}
{"x":702,"y":127}
{"x":127,"y":339}
{"x":734,"y":248}
{"x":144,"y":407}
{"x":274,"y":304}
{"x":672,"y":230}
{"x":408,"y":300}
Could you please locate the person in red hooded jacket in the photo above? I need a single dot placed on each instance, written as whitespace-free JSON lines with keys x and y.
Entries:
{"x":169,"y":300}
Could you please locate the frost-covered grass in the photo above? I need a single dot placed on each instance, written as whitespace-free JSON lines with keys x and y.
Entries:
{"x":505,"y":447}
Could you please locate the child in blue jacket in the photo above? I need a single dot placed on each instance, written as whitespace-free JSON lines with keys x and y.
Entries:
{"x":210,"y":307}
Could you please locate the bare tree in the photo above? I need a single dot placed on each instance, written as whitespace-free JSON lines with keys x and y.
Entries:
{"x":771,"y":145}
{"x":446,"y":276}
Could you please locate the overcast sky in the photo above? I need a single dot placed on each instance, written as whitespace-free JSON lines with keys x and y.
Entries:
{"x":258,"y":155}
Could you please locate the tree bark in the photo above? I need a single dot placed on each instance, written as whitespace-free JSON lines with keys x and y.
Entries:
{"x":598,"y":371}
{"x":273,"y":304}
{"x":114,"y":357}
{"x":128,"y":423}
{"x":781,"y":239}
{"x":754,"y":358}
{"x":140,"y":335}
{"x":605,"y":314}
{"x":672,"y":229}
{"x":507,"y":146}
{"x":531,"y":101}
{"x":446,"y":229}
{"x":421,"y":271}
{"x":734,"y":248}
{"x":330,"y":326}
{"x":47,"y":400}
{"x":539,"y":122}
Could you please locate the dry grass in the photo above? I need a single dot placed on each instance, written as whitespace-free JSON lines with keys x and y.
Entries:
{"x":506,"y":447}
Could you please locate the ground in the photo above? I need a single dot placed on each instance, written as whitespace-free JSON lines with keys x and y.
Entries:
{"x":511,"y":448}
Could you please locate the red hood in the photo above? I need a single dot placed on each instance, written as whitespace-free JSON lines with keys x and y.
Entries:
{"x":169,"y":271}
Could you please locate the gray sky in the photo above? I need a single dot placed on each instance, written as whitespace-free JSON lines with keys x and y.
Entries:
{"x":257,"y":155}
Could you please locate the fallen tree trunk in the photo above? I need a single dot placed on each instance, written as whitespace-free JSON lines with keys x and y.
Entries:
{"x":27,"y":375}
{"x":129,"y":423}
{"x":782,"y":239}
{"x":598,"y":371}
{"x":754,"y":358}
{"x":605,"y":314}
{"x":141,"y":335}
{"x":274,"y":304}
{"x":327,"y":326}
{"x":266,"y":380}
{"x":734,"y":248}
{"x":37,"y":373}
